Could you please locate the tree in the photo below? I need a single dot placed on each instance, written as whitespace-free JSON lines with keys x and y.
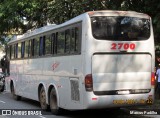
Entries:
{"x":18,"y":16}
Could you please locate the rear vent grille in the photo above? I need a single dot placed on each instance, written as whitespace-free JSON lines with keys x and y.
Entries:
{"x":75,"y":89}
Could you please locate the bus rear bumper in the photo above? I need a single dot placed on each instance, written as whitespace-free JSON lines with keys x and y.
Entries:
{"x":111,"y":101}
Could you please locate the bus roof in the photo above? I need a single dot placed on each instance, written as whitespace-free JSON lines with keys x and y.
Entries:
{"x":119,"y":13}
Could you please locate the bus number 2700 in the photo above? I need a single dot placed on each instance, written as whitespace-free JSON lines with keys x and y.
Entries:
{"x":124,"y":46}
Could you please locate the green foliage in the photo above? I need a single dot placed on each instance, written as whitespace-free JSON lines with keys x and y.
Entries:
{"x":18,"y":16}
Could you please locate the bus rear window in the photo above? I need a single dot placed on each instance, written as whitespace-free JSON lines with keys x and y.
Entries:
{"x":120,"y":28}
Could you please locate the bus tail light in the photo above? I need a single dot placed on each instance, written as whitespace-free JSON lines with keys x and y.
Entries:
{"x":89,"y":82}
{"x":153,"y":79}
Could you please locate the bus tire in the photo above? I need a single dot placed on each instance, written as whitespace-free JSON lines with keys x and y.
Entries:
{"x":16,"y":97}
{"x":42,"y":99}
{"x":54,"y":103}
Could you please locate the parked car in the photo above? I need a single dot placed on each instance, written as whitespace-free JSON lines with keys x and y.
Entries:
{"x":2,"y":82}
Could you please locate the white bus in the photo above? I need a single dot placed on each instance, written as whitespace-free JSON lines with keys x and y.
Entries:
{"x":100,"y":59}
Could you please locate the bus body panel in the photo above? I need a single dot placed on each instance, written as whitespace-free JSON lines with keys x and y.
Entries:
{"x":111,"y":101}
{"x":121,"y":71}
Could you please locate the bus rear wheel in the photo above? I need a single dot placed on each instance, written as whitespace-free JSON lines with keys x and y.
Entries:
{"x":42,"y":99}
{"x":16,"y":97}
{"x":54,"y":103}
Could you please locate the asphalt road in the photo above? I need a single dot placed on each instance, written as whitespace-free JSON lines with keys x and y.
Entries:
{"x":26,"y":106}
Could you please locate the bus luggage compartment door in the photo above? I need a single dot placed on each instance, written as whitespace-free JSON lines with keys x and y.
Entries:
{"x":115,"y":72}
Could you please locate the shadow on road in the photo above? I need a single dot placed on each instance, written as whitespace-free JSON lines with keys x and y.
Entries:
{"x":110,"y":113}
{"x":96,"y":113}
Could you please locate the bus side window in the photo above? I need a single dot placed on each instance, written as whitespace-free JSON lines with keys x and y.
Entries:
{"x":60,"y":42}
{"x":29,"y":48}
{"x":77,"y":40}
{"x":32,"y":48}
{"x":36,"y":47}
{"x":42,"y":46}
{"x":48,"y":46}
{"x":26,"y":43}
{"x":18,"y":50}
{"x":53,"y":40}
{"x":55,"y":36}
{"x":72,"y":40}
{"x":22,"y":49}
{"x":67,"y":41}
